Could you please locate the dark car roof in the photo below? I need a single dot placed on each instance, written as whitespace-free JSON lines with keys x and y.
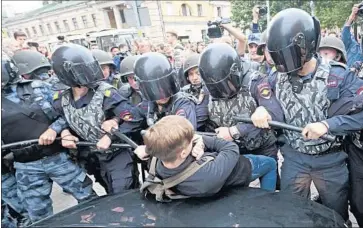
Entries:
{"x":237,"y":207}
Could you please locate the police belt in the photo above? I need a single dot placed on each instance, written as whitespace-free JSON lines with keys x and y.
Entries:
{"x":35,"y":152}
{"x":337,"y":147}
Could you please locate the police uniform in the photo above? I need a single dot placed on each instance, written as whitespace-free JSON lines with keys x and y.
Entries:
{"x":104,"y":103}
{"x":199,"y":92}
{"x":228,"y":83}
{"x":314,"y":160}
{"x":157,"y":81}
{"x":180,"y":104}
{"x":353,"y":145}
{"x":27,"y":106}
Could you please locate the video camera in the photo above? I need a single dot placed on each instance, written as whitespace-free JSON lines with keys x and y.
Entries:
{"x":360,"y":11}
{"x":262,"y":10}
{"x":214,"y":30}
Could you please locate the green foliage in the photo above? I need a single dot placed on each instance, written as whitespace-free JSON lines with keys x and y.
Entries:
{"x":331,"y":13}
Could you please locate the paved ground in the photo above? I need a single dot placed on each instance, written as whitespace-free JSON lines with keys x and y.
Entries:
{"x":62,"y":201}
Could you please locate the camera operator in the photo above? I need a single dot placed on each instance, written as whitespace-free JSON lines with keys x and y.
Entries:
{"x":257,"y":12}
{"x":351,"y":45}
{"x":238,"y":35}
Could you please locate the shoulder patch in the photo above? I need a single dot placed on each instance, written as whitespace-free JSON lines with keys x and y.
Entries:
{"x":107,"y":92}
{"x":56,"y":95}
{"x":264,"y":90}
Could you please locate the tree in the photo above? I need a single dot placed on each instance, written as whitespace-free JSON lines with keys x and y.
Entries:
{"x":331,"y":13}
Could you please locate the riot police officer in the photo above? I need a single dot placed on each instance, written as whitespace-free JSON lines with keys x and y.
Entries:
{"x":197,"y":89}
{"x":108,"y":68}
{"x":130,"y":88}
{"x":305,"y":87}
{"x":353,"y":145}
{"x":227,"y":79}
{"x":92,"y":107}
{"x":267,"y":65}
{"x":27,"y":114}
{"x":157,"y":82}
{"x":332,"y":48}
{"x":34,"y":65}
{"x":10,"y":200}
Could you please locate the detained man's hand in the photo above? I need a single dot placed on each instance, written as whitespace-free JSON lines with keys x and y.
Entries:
{"x":261,"y":117}
{"x":223,"y":133}
{"x":198,"y":147}
{"x":315,"y":130}
{"x":140,"y":152}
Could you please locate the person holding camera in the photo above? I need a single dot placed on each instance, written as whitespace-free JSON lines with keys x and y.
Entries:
{"x":353,"y":48}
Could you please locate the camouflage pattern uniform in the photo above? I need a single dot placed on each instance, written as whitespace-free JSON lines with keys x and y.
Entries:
{"x":222,"y":111}
{"x":10,"y":198}
{"x":35,"y":178}
{"x":86,"y":122}
{"x":309,"y":106}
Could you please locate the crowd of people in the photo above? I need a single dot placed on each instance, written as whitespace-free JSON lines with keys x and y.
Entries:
{"x":184,"y":105}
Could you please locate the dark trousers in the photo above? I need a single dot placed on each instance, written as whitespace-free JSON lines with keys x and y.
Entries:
{"x":329,"y":173}
{"x":355,"y":165}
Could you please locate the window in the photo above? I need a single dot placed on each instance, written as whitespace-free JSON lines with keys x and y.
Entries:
{"x":94,"y":19}
{"x":27,"y":32}
{"x":41,"y":30}
{"x":185,"y":10}
{"x":66,"y":26}
{"x":84,"y":19}
{"x":75,"y":23}
{"x":219,"y":11}
{"x":169,"y":8}
{"x":200,"y":10}
{"x":50,"y":29}
{"x":57,"y":26}
{"x":34,"y":31}
{"x":122,"y":16}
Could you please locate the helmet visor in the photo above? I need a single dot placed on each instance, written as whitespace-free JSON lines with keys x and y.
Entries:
{"x":84,"y":73}
{"x":160,"y":88}
{"x":288,"y":59}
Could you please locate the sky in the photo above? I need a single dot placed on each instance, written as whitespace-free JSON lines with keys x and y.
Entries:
{"x":22,"y":6}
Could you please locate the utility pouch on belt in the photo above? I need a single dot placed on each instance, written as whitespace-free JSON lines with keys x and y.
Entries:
{"x":161,"y":188}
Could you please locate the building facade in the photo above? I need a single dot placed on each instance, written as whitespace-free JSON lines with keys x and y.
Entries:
{"x":188,"y":18}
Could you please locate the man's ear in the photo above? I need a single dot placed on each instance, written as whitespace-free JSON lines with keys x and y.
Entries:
{"x":184,"y":154}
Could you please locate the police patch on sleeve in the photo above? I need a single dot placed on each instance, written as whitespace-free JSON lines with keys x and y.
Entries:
{"x":360,"y":91}
{"x":180,"y":112}
{"x":126,"y":116}
{"x":264,"y":91}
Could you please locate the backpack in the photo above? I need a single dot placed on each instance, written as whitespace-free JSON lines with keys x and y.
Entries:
{"x":161,"y":188}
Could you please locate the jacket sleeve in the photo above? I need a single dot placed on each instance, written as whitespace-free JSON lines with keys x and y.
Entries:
{"x":186,"y":108}
{"x":216,"y":172}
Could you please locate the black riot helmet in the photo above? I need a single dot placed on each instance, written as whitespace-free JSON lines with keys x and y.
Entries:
{"x":155,"y":76}
{"x":32,"y":63}
{"x":220,"y":68}
{"x":76,"y":66}
{"x":293,"y":39}
{"x":9,"y":71}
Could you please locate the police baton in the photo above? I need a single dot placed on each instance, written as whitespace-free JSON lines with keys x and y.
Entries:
{"x":129,"y":141}
{"x":10,"y":156}
{"x":277,"y":124}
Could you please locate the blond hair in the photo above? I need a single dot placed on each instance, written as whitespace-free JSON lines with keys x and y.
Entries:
{"x":168,"y":137}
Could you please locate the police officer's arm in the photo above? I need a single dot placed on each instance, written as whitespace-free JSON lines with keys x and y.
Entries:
{"x":60,"y":123}
{"x":262,"y":91}
{"x":242,"y":39}
{"x":116,"y":106}
{"x":343,"y":84}
{"x":186,"y":108}
{"x":216,"y":172}
{"x":347,"y":37}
